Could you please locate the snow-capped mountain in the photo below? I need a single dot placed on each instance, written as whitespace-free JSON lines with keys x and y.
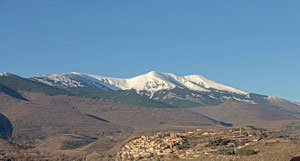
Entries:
{"x":185,"y":91}
{"x":150,"y":82}
{"x":180,"y":91}
{"x":153,"y":89}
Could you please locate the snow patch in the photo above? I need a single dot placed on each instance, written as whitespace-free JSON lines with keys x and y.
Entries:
{"x":4,"y":74}
{"x":276,"y":99}
{"x":202,"y":81}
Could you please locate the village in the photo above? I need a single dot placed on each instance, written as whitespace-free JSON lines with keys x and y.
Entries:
{"x":192,"y":144}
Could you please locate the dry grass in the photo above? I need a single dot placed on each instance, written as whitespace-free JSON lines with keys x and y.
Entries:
{"x":241,"y":114}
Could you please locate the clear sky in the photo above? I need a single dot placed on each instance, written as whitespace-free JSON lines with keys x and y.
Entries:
{"x":253,"y":45}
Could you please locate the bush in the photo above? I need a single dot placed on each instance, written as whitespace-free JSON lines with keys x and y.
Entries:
{"x":224,"y":142}
{"x":230,"y":153}
{"x":246,"y":152}
{"x":217,"y":142}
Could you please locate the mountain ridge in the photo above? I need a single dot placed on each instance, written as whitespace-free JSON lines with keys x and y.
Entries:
{"x":14,"y":86}
{"x":185,"y":91}
{"x":151,"y":81}
{"x":177,"y":91}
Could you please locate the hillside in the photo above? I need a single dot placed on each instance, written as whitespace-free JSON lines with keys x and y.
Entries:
{"x":10,"y":92}
{"x":81,"y":121}
{"x":123,"y":96}
{"x":43,"y":116}
{"x":143,"y":118}
{"x":17,"y":83}
{"x":240,"y":113}
{"x":5,"y":127}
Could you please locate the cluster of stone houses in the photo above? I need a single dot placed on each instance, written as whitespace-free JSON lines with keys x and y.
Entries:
{"x":163,"y":144}
{"x":238,"y":139}
{"x":147,"y":146}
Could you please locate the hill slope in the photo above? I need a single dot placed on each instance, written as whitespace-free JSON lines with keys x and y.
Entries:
{"x":123,"y":96}
{"x":239,"y":113}
{"x":17,"y":83}
{"x":10,"y":92}
{"x":5,"y":127}
{"x":43,"y":116}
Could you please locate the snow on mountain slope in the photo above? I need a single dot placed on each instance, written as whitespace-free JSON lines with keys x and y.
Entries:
{"x":74,"y":80}
{"x":198,"y":79}
{"x":4,"y":74}
{"x":150,"y":82}
{"x":288,"y":105}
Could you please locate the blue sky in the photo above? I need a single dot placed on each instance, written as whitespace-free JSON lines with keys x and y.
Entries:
{"x":252,"y":45}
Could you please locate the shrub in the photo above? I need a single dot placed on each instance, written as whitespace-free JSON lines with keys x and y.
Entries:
{"x":246,"y":152}
{"x":217,"y":142}
{"x":224,"y":142}
{"x":230,"y":153}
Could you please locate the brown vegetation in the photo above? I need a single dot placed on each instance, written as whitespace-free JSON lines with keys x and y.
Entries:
{"x":239,"y":113}
{"x":78,"y":127}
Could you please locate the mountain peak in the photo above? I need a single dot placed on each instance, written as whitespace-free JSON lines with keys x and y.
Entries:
{"x":161,"y":75}
{"x":74,"y":73}
{"x":153,"y":73}
{"x":7,"y":74}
